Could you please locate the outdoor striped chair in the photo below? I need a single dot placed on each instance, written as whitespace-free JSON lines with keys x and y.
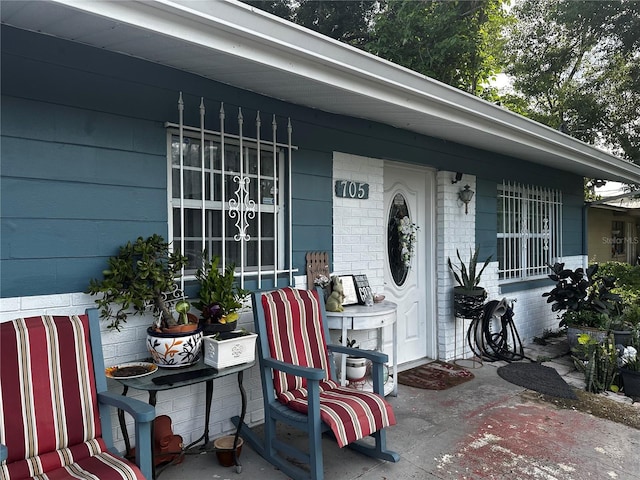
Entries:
{"x":54,"y":403}
{"x":300,"y":388}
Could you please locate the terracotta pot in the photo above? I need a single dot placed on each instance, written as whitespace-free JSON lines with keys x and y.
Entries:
{"x":189,"y":327}
{"x":224,"y":449}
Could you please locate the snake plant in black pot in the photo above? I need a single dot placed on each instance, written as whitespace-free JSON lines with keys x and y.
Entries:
{"x":468,"y":296}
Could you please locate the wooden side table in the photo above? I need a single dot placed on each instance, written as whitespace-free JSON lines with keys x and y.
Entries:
{"x":362,"y":317}
{"x":200,"y":372}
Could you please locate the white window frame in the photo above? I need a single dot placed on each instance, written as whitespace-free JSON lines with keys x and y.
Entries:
{"x":239,"y":207}
{"x":529,"y":231}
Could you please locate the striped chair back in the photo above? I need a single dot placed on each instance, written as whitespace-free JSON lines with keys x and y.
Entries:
{"x":296,"y":334}
{"x":52,"y":418}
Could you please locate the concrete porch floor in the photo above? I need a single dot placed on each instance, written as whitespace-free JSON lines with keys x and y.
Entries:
{"x":482,"y":429}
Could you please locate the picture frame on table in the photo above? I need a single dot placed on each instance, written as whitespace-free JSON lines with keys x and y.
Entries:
{"x":363,"y":289}
{"x":350,"y":292}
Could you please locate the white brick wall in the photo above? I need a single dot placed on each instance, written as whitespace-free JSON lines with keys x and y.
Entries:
{"x":359,"y":225}
{"x":455,"y":231}
{"x":359,"y":230}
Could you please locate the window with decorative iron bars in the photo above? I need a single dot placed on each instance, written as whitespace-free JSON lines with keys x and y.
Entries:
{"x":230,"y":196}
{"x":529,"y":230}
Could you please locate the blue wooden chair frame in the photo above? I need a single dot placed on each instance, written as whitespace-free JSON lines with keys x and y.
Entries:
{"x":142,"y":413}
{"x":275,"y":450}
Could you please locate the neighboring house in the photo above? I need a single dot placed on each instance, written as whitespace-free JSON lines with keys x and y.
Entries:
{"x":613,"y":226}
{"x":91,"y":159}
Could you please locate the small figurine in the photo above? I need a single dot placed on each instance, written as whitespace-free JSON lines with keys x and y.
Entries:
{"x":334,"y":302}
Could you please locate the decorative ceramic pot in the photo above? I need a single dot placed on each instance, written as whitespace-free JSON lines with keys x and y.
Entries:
{"x":175,"y":349}
{"x":356,"y":368}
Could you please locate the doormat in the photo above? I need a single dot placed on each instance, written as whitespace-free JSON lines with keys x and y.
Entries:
{"x":537,"y":377}
{"x":435,"y":376}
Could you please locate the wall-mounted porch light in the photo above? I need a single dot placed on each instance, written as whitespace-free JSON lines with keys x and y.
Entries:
{"x":465,"y":196}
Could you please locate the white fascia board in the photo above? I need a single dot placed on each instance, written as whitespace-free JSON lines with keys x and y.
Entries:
{"x":242,"y":31}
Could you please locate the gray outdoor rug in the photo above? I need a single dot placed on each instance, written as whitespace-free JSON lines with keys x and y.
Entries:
{"x":535,"y":376}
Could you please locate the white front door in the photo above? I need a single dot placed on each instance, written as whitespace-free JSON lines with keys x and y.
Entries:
{"x":409,"y":192}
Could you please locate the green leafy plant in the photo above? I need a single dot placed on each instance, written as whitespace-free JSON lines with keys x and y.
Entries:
{"x":221,"y":297}
{"x":585,"y":319}
{"x":585,"y":298}
{"x":141,"y":277}
{"x":628,"y":319}
{"x":627,"y":283}
{"x":468,"y":277}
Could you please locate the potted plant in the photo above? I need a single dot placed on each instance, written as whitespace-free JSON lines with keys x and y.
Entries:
{"x":141,"y":278}
{"x":629,"y":362}
{"x":623,"y":325}
{"x":585,"y":300}
{"x":468,"y":296}
{"x":356,"y":367}
{"x":220,"y":299}
{"x":225,"y":349}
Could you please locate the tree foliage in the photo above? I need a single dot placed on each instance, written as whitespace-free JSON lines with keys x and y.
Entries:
{"x":345,"y":21}
{"x":575,"y":67}
{"x":456,"y":42}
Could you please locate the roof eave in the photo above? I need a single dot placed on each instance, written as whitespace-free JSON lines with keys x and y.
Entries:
{"x":421,"y":104}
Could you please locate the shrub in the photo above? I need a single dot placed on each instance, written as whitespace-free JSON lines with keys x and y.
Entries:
{"x":627,"y":280}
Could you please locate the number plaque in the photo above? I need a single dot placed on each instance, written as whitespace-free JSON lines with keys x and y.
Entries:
{"x":351,"y":189}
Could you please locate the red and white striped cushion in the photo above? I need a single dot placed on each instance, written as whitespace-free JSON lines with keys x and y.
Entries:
{"x":296,"y":336}
{"x":48,"y":402}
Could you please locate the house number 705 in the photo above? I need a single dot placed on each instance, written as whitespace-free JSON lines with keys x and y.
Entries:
{"x":350,"y":189}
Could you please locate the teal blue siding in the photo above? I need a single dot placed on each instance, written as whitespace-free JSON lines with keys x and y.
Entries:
{"x":84,"y":160}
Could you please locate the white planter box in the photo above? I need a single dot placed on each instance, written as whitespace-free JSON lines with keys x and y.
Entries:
{"x":234,"y":351}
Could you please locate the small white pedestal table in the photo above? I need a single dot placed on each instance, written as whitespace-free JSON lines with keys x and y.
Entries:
{"x":361,"y":317}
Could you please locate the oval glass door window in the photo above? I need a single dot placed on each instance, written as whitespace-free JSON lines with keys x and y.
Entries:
{"x":397,"y":211}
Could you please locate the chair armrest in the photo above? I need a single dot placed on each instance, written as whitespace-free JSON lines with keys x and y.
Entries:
{"x":297,"y":370}
{"x":143,"y":414}
{"x":140,"y":411}
{"x":4,"y":453}
{"x":374,"y":356}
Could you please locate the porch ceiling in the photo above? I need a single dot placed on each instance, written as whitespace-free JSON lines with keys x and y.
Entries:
{"x":235,"y":44}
